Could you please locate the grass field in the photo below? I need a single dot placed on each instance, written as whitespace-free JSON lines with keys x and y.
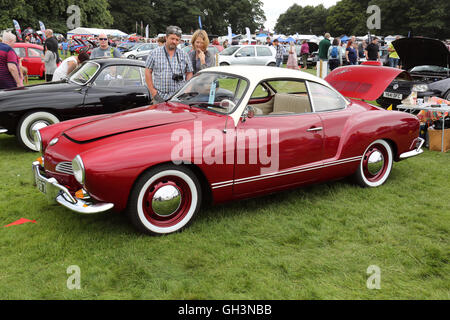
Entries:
{"x":309,"y":243}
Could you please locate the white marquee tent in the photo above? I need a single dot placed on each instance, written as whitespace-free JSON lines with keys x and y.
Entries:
{"x":95,"y":32}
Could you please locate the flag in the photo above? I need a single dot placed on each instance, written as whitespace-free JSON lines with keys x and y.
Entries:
{"x":146,"y":31}
{"x":249,"y":36}
{"x":230,"y":36}
{"x":18,"y":31}
{"x":200,"y":22}
{"x":42,"y":27}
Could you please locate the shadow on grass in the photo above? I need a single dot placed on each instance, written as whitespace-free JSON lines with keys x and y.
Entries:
{"x":9,"y":143}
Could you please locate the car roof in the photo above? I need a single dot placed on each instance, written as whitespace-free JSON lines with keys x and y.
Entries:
{"x":116,"y":61}
{"x":27,"y":45}
{"x":258,"y":73}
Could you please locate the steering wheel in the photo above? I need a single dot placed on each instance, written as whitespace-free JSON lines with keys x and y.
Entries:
{"x":231,"y":104}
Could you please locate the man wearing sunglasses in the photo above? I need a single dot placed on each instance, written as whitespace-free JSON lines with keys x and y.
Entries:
{"x":167,"y":67}
{"x":104,"y":50}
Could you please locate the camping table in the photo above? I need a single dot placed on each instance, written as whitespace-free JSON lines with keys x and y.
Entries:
{"x":441,"y":108}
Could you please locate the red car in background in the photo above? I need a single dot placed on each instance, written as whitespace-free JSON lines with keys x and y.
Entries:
{"x":32,"y":56}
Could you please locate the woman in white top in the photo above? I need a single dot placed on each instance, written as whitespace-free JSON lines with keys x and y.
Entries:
{"x":68,"y":65}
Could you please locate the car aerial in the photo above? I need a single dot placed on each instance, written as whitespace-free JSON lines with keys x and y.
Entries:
{"x":32,"y":58}
{"x":230,"y":133}
{"x":427,"y":61}
{"x":98,"y":86}
{"x":248,"y":55}
{"x":140,"y":50}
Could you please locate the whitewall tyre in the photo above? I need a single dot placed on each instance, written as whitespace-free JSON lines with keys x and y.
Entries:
{"x":30,"y":122}
{"x":164,"y":200}
{"x":376,"y":164}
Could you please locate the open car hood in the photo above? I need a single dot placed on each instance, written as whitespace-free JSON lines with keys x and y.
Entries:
{"x":363,"y":82}
{"x":421,"y":51}
{"x":127,"y":121}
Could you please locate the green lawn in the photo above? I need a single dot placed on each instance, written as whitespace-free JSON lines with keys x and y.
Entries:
{"x":309,"y":243}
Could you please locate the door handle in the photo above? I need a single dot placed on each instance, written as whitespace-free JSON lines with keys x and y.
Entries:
{"x":315,"y":129}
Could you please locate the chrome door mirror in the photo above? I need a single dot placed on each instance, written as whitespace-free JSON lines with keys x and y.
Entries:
{"x":249,"y":113}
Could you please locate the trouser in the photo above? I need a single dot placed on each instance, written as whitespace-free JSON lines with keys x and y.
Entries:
{"x":333,"y":64}
{"x":279,"y":62}
{"x":48,"y":77}
{"x":393,"y":62}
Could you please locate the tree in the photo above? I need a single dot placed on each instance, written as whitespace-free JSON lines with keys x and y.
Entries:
{"x":94,"y":13}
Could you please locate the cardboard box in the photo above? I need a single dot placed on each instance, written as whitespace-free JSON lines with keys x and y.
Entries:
{"x":435,"y":141}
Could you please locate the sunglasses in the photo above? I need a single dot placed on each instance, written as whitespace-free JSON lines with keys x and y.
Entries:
{"x":103,"y":39}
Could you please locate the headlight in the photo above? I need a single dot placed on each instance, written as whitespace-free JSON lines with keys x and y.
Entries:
{"x":78,"y":169}
{"x":37,"y":140}
{"x":420,"y":87}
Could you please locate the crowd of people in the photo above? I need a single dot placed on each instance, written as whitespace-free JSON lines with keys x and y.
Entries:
{"x":167,"y":68}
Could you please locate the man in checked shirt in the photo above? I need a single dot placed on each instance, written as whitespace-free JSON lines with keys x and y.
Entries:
{"x":167,"y":67}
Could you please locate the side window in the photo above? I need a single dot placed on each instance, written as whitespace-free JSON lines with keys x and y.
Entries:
{"x":247,"y":52}
{"x":119,"y":76}
{"x":325,"y":99}
{"x":260,"y":92}
{"x":291,"y":97}
{"x":35,"y":53}
{"x":263,"y":52}
{"x":20,"y":52}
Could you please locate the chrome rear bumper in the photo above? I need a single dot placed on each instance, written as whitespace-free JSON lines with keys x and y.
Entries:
{"x":56,"y":192}
{"x":418,"y":150}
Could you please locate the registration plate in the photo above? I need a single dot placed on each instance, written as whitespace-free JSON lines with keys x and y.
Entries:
{"x":393,"y":95}
{"x":41,"y":185}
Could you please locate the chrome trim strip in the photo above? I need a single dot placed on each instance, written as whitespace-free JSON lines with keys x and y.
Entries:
{"x":64,"y":167}
{"x":285,"y":172}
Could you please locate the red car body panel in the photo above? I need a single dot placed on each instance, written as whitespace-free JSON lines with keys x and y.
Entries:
{"x":34,"y":64}
{"x":362,"y":82}
{"x":117,"y":149}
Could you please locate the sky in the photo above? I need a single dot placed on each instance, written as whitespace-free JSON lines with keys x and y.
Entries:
{"x":273,"y":8}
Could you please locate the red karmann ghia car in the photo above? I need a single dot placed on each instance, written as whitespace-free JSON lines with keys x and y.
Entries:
{"x":229,"y":133}
{"x":32,"y":58}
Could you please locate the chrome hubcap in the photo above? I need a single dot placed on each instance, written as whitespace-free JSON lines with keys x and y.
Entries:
{"x":375,"y":163}
{"x":166,"y":200}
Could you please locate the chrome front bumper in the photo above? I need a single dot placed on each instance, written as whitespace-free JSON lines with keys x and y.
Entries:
{"x":56,"y":192}
{"x":418,"y":150}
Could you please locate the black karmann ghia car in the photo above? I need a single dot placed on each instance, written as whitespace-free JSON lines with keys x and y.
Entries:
{"x":98,"y":86}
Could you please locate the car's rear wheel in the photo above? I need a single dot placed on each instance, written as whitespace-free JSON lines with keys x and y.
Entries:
{"x":222,"y":64}
{"x":30,"y":122}
{"x":376,"y":164}
{"x":272,"y":64}
{"x":164,"y":200}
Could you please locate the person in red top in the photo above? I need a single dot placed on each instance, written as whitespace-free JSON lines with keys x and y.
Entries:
{"x":9,"y":63}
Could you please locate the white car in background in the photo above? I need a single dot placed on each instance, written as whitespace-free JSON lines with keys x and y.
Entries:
{"x":140,"y":51}
{"x":248,"y":55}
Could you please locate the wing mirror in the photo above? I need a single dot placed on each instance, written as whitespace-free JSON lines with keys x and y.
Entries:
{"x":249,"y":112}
{"x":238,"y":55}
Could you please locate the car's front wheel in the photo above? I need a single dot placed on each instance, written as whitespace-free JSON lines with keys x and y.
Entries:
{"x":30,"y":122}
{"x":131,"y":57}
{"x":164,"y":200}
{"x":376,"y":164}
